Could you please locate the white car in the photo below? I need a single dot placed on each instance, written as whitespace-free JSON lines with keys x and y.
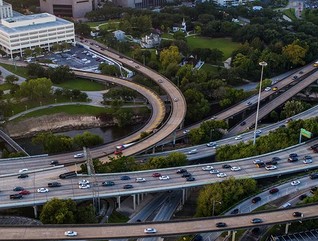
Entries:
{"x":238,"y":137}
{"x":23,"y":170}
{"x":79,"y":155}
{"x":85,"y":186}
{"x":307,"y":160}
{"x":214,"y":171}
{"x":164,"y":178}
{"x":295,"y":183}
{"x":150,"y":230}
{"x":258,"y":131}
{"x":43,"y":189}
{"x":234,"y":169}
{"x":221,"y":174}
{"x":268,"y":89}
{"x":70,"y":233}
{"x":186,"y":131}
{"x":270,"y":167}
{"x":211,"y":144}
{"x":207,"y":168}
{"x":83,"y":182}
{"x":140,"y":179}
{"x":193,"y":151}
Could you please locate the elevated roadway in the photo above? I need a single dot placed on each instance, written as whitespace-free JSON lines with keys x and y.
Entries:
{"x":12,"y":143}
{"x":164,"y":229}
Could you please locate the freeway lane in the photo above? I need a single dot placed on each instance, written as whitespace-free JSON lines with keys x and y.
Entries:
{"x":49,"y":232}
{"x":70,"y":188}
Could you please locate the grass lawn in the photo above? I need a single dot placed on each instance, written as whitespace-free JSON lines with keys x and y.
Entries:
{"x":21,"y":71}
{"x":166,"y":35}
{"x":82,"y":84}
{"x":5,"y":86}
{"x":290,"y":13}
{"x":224,"y":44}
{"x":210,"y":68}
{"x":117,"y":217}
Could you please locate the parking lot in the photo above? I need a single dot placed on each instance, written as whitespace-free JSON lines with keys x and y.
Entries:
{"x":78,"y":57}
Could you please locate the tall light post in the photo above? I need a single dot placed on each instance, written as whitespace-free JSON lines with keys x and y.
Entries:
{"x":213,"y":208}
{"x":263,"y":64}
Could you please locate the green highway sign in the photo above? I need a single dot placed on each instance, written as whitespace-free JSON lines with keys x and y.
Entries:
{"x":305,"y":133}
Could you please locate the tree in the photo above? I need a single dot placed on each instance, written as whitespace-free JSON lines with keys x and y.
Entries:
{"x":170,"y":56}
{"x":197,"y":105}
{"x":56,"y":47}
{"x":36,"y":89}
{"x":87,"y":139}
{"x":37,"y":51}
{"x":57,"y":211}
{"x":123,"y":117}
{"x":27,"y":53}
{"x":10,"y":79}
{"x":295,"y":53}
{"x":172,"y":160}
{"x":293,"y":107}
{"x":53,"y":143}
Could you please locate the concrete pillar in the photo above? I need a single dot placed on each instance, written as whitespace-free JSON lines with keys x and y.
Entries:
{"x":118,"y":201}
{"x":35,"y":210}
{"x":183,"y":196}
{"x":134,"y":201}
{"x":233,"y":235}
{"x":138,"y":199}
{"x":174,"y":138}
{"x":181,"y":125}
{"x":286,"y":227}
{"x":154,"y":149}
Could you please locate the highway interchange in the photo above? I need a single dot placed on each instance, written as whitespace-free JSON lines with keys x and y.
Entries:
{"x":70,"y":187}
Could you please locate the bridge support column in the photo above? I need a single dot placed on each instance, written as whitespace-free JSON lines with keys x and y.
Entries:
{"x":174,"y":138}
{"x":134,"y":201}
{"x":118,"y":201}
{"x":233,"y":235}
{"x":138,"y":199}
{"x":184,"y":195}
{"x":154,"y":149}
{"x":286,"y":227}
{"x":35,"y":211}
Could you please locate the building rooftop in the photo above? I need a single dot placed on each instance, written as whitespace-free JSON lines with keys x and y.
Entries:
{"x":30,"y":22}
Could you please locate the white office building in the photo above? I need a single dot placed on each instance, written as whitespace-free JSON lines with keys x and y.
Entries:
{"x":30,"y":31}
{"x":5,"y":10}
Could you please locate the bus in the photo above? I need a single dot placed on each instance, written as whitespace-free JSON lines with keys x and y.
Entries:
{"x":316,"y":64}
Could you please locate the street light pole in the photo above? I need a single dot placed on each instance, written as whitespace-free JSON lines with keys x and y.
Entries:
{"x":213,"y":207}
{"x":263,"y":64}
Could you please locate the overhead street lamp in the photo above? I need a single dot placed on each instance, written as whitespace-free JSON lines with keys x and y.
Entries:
{"x":263,"y":64}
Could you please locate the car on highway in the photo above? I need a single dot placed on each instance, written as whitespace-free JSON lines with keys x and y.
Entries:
{"x":118,"y":152}
{"x":182,"y":170}
{"x":207,"y":168}
{"x":226,"y":166}
{"x":235,"y":211}
{"x":268,"y":89}
{"x":186,"y":174}
{"x":54,"y":184}
{"x":295,"y":183}
{"x":313,"y":176}
{"x":214,"y":171}
{"x":274,"y":88}
{"x":150,"y":230}
{"x":211,"y":144}
{"x":23,"y":175}
{"x":257,"y":161}
{"x":23,"y":170}
{"x":297,"y":214}
{"x":193,"y":151}
{"x":274,"y":190}
{"x":42,"y":190}
{"x":24,"y":192}
{"x":276,"y":159}
{"x":295,"y":77}
{"x":243,"y":123}
{"x":186,"y":131}
{"x":248,"y":103}
{"x":83,"y":182}
{"x":239,"y":137}
{"x":18,"y":189}
{"x":256,"y":199}
{"x":293,"y":155}
{"x":221,"y":174}
{"x":272,"y":162}
{"x":79,"y":155}
{"x":16,"y":196}
{"x":175,"y":99}
{"x":307,"y":160}
{"x":156,"y":174}
{"x":260,"y":165}
{"x":235,"y":169}
{"x":128,"y":186}
{"x":70,"y":233}
{"x":54,"y":162}
{"x":190,"y":179}
{"x":84,"y":186}
{"x":140,"y":179}
{"x":125,"y":178}
{"x":108,"y":183}
{"x":256,"y":220}
{"x":220,"y":225}
{"x":293,"y":159}
{"x":270,"y":167}
{"x":164,"y":178}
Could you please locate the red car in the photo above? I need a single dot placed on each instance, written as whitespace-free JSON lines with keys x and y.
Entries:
{"x":156,"y":174}
{"x":118,"y":152}
{"x":25,"y":192}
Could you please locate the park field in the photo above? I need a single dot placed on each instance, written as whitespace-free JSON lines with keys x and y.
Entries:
{"x":224,"y":44}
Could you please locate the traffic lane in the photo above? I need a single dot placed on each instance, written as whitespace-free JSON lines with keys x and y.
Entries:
{"x":166,"y":228}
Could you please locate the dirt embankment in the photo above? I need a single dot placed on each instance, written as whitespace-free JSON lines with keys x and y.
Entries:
{"x":54,"y":123}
